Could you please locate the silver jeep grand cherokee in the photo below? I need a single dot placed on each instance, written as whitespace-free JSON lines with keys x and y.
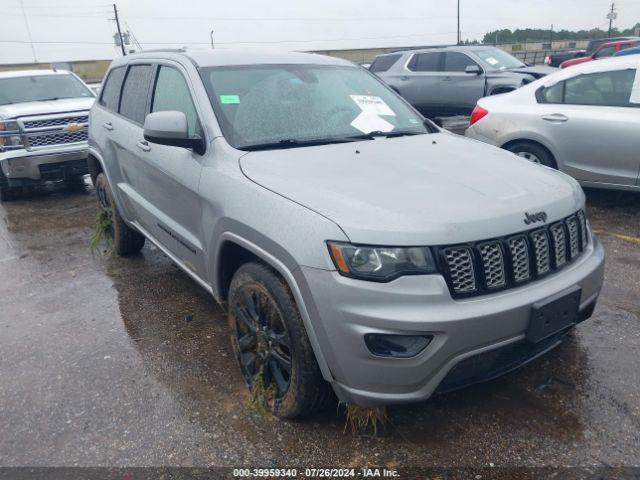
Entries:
{"x":43,"y":128}
{"x":354,"y":244}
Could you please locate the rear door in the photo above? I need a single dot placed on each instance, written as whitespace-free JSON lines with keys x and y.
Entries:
{"x":128,"y":143}
{"x":594,"y":126}
{"x":458,"y":89}
{"x":419,"y":82}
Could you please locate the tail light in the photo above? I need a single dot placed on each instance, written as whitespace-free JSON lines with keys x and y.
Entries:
{"x":547,"y":60}
{"x":478,"y":114}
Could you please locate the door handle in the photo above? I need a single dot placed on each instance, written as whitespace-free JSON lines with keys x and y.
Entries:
{"x":404,"y":78}
{"x":108,"y":126}
{"x":555,"y":118}
{"x":446,"y":79}
{"x":144,"y":146}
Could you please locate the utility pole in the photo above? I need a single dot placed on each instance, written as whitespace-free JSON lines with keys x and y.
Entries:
{"x":26,"y":24}
{"x":551,"y":36}
{"x":459,"y":36}
{"x":115,"y":11}
{"x":612,"y":15}
{"x":211,"y":36}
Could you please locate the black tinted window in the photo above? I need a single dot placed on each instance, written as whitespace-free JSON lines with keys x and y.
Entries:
{"x":606,"y":52}
{"x":111,"y":89}
{"x":135,"y":92}
{"x":382,"y":64}
{"x":457,"y":62}
{"x":425,"y":62}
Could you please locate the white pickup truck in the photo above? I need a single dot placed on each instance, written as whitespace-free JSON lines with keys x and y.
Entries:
{"x":44,"y":116}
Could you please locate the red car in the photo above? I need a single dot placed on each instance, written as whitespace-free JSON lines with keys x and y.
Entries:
{"x":605,"y":51}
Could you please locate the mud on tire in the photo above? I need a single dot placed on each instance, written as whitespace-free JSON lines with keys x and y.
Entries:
{"x":267,"y":332}
{"x":126,"y":241}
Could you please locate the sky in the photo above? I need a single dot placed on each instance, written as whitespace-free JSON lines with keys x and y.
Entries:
{"x":67,"y":30}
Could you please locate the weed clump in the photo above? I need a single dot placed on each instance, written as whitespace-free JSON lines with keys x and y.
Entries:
{"x":366,"y":420}
{"x":102,"y":238}
{"x":262,"y":396}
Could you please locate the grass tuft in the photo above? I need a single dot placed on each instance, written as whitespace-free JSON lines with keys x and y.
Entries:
{"x":366,"y":420}
{"x":101,"y":242}
{"x":261,"y":396}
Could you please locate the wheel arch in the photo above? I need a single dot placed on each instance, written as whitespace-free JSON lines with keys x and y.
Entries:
{"x":510,"y":143}
{"x":234,"y":250}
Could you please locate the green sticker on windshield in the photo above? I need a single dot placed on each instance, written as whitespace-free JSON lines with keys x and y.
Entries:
{"x":229,"y":99}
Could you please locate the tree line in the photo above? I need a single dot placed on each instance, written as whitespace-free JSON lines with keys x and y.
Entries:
{"x":541,"y":35}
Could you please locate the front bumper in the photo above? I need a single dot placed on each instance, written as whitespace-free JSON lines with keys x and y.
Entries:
{"x":343,"y":310}
{"x":23,"y":168}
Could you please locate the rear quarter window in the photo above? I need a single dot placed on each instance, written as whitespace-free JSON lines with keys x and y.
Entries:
{"x":382,"y":64}
{"x":110,"y":95}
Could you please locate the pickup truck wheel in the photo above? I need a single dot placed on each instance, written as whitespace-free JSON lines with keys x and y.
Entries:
{"x":6,"y":192}
{"x":269,"y":340}
{"x":534,"y":153}
{"x":125,"y":240}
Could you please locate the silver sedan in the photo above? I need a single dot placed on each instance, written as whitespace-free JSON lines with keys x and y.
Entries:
{"x":584,"y":121}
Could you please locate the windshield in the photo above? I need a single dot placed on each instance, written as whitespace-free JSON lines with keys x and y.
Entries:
{"x":295,"y":105}
{"x":497,"y":59}
{"x":41,"y":87}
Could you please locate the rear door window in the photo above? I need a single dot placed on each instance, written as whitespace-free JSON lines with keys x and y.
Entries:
{"x":135,"y":92}
{"x":457,"y":62}
{"x":605,"y":89}
{"x":172,"y":94}
{"x":111,"y":90}
{"x":425,"y":62}
{"x":384,"y":63}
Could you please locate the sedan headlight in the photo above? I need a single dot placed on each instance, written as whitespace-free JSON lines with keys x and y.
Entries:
{"x":10,"y":135}
{"x":381,"y":264}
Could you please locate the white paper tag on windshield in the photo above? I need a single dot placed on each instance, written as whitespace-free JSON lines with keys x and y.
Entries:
{"x":635,"y":90}
{"x":372,"y":104}
{"x":491,"y":61}
{"x":367,"y":123}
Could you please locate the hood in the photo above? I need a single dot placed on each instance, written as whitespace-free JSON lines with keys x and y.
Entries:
{"x":575,"y":61}
{"x":422,"y":190}
{"x":537,"y":71}
{"x":64,"y":105}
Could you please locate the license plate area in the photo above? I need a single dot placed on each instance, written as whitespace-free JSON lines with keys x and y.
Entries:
{"x":554,"y":314}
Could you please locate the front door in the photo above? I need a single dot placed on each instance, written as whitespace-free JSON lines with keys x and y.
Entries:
{"x":458,"y":89}
{"x":170,"y":185}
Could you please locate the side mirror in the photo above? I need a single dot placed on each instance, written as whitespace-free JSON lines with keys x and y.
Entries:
{"x":473,"y":70}
{"x":171,"y":129}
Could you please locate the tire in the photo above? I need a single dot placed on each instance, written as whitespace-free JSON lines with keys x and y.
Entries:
{"x":76,"y":183}
{"x":7,"y":193}
{"x":125,"y":240}
{"x":265,"y":320}
{"x":534,"y":153}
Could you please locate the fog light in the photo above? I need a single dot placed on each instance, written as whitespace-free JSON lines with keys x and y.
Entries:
{"x":396,"y":346}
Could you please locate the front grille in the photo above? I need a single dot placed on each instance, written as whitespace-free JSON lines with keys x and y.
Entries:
{"x":54,"y":122}
{"x":462,"y":275}
{"x":492,"y":265}
{"x":52,"y":139}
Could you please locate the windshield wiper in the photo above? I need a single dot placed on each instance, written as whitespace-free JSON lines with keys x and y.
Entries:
{"x":294,"y":143}
{"x":392,"y":134}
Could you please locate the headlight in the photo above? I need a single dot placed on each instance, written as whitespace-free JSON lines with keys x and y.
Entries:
{"x":381,"y":264}
{"x":10,"y":135}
